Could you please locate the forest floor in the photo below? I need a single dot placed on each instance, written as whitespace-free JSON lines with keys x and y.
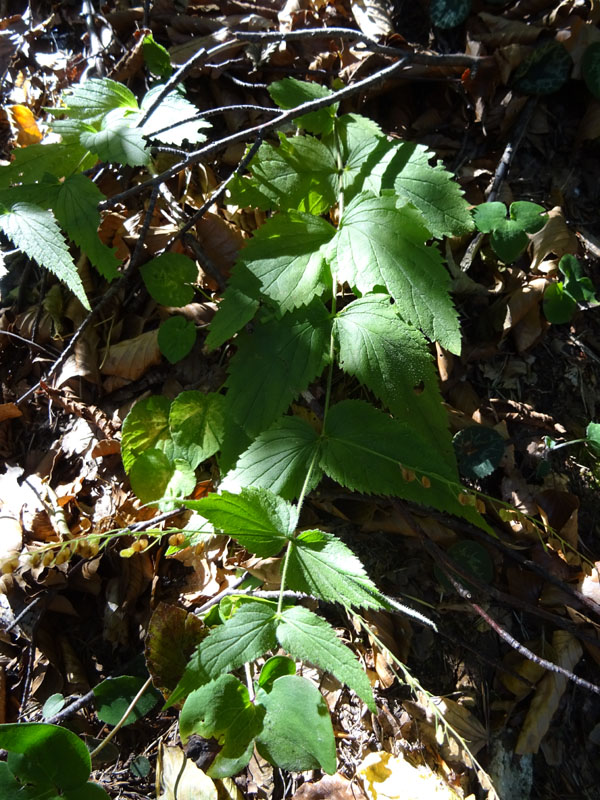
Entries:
{"x":531,"y":381}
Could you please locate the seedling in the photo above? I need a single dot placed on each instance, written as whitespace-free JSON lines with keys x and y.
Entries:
{"x":509,"y":233}
{"x":561,"y":298}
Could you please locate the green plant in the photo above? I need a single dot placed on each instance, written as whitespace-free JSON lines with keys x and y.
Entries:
{"x":509,"y":234}
{"x":45,"y":762}
{"x":591,"y":439}
{"x":561,"y":297}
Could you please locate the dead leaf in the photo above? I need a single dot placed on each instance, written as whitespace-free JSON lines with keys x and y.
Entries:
{"x":502,"y":31}
{"x":388,"y":777}
{"x":373,"y":17}
{"x":24,"y":125}
{"x":175,"y":770}
{"x":9,"y":411}
{"x":131,"y":358}
{"x":555,"y":237}
{"x":548,"y":694}
{"x":330,"y":787}
{"x":173,"y":635}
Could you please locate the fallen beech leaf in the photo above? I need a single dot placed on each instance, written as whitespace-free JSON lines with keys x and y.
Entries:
{"x":131,"y":357}
{"x":173,"y":635}
{"x":555,"y":237}
{"x":24,"y":125}
{"x":176,"y":771}
{"x":9,"y":411}
{"x":106,"y":447}
{"x":548,"y":694}
{"x":387,"y":777}
{"x":331,"y":787}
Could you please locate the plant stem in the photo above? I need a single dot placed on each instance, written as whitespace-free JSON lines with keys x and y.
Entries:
{"x":122,"y":721}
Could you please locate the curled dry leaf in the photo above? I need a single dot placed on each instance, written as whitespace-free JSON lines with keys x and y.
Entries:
{"x":555,"y":237}
{"x":131,"y":358}
{"x":548,"y":694}
{"x":331,"y":787}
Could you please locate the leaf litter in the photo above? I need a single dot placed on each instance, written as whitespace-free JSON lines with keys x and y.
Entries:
{"x":84,"y":614}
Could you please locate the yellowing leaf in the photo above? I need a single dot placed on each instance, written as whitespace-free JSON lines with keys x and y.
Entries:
{"x":24,"y":125}
{"x":386,"y":777}
{"x":192,"y":783}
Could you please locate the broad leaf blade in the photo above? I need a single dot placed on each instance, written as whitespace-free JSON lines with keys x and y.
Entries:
{"x":393,"y":360}
{"x":285,"y":255}
{"x":274,"y":364}
{"x":145,"y":427}
{"x":259,"y":520}
{"x":174,"y":108}
{"x":310,"y":638}
{"x":278,"y":460}
{"x":237,"y":307}
{"x":169,"y":278}
{"x":95,"y":98}
{"x":35,"y":232}
{"x":290,"y":92}
{"x":379,"y":245}
{"x":117,"y":141}
{"x":322,"y":566}
{"x":197,"y":424}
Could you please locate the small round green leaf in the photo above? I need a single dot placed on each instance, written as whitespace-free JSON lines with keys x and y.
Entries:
{"x":89,"y":791}
{"x":473,"y":558}
{"x":157,"y":57}
{"x":150,"y":475}
{"x":489,"y":216}
{"x":140,"y":767}
{"x":545,"y":70}
{"x":590,"y":68}
{"x":508,"y":241}
{"x":169,"y":279}
{"x":530,"y":217}
{"x":274,"y":668}
{"x":479,"y":450}
{"x":53,"y":705}
{"x":114,"y":695}
{"x":449,"y":13}
{"x":558,"y":306}
{"x":176,"y":337}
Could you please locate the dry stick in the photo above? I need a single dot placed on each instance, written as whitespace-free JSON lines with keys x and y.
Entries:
{"x":444,"y":560}
{"x":112,"y":291}
{"x":501,"y":174}
{"x":211,"y":112}
{"x":260,"y":130}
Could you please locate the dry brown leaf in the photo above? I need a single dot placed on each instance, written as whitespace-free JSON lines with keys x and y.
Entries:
{"x":555,"y":237}
{"x":502,"y":31}
{"x":529,"y":670}
{"x":181,"y":779}
{"x":9,"y":411}
{"x":373,"y":17}
{"x":132,"y":357}
{"x":330,"y":787}
{"x":24,"y":125}
{"x":548,"y":694}
{"x":220,"y":240}
{"x":395,"y":633}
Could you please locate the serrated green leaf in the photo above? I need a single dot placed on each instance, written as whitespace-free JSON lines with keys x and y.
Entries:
{"x":169,"y":278}
{"x":365,"y":450}
{"x":197,"y":424}
{"x":154,"y":477}
{"x":113,"y":696}
{"x":363,"y":150}
{"x":321,"y":565}
{"x":297,"y":733}
{"x":285,"y":255}
{"x":379,"y":245}
{"x":289,"y":93}
{"x":237,"y":307}
{"x":300,"y":174}
{"x":278,"y":460}
{"x":76,"y":210}
{"x":433,"y":190}
{"x":117,"y":141}
{"x":34,"y":231}
{"x":94,"y":99}
{"x":29,"y":164}
{"x":174,"y":108}
{"x":310,"y":638}
{"x":145,"y":427}
{"x":222,"y":709}
{"x":393,"y":360}
{"x":258,"y":519}
{"x":249,"y":634}
{"x":284,"y":355}
{"x":176,"y":338}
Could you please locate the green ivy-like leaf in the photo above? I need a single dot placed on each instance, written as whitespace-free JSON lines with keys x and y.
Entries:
{"x":76,"y":210}
{"x":222,"y":709}
{"x":285,"y":255}
{"x":289,"y":93}
{"x":310,"y":638}
{"x":169,"y":278}
{"x":117,"y":141}
{"x":393,"y":360}
{"x":321,"y":565}
{"x":379,"y":245}
{"x":145,"y":427}
{"x":545,"y":70}
{"x":449,"y":13}
{"x":297,"y":733}
{"x":278,"y":460}
{"x":258,"y":519}
{"x":34,"y":231}
{"x":284,"y":355}
{"x":176,"y":338}
{"x":197,"y":424}
{"x":479,"y":450}
{"x":509,"y":236}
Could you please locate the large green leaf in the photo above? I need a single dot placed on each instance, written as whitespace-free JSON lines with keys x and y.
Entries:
{"x":259,"y":520}
{"x":367,"y":451}
{"x":290,"y":92}
{"x":274,"y":363}
{"x":113,"y":697}
{"x":278,"y":459}
{"x":364,"y":152}
{"x":174,"y":108}
{"x":310,"y":638}
{"x":393,"y":360}
{"x":237,"y":307}
{"x":94,"y":99}
{"x":52,"y":754}
{"x":321,"y":565}
{"x":380,"y":245}
{"x":297,"y":733}
{"x":222,"y":709}
{"x":154,"y":476}
{"x":170,"y":279}
{"x":31,"y":163}
{"x":34,"y":231}
{"x":146,"y":426}
{"x":197,"y":424}
{"x":300,"y":174}
{"x":117,"y":141}
{"x":247,"y":635}
{"x":285,"y":255}
{"x":76,"y":210}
